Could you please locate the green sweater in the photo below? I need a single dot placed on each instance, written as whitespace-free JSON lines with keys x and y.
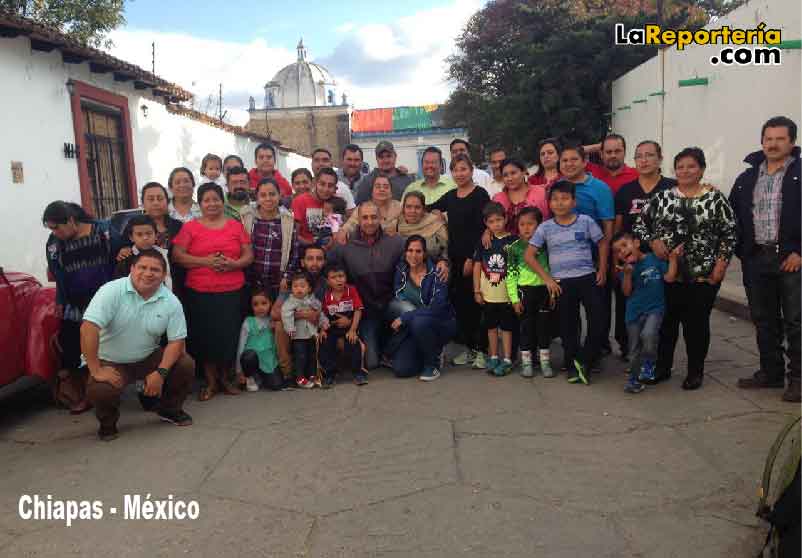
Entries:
{"x":519,"y":274}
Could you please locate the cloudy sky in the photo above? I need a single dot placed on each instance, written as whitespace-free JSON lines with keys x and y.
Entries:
{"x":382,"y":54}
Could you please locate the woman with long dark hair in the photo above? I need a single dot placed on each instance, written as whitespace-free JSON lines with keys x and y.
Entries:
{"x":80,"y":255}
{"x":464,"y":206}
{"x":426,"y":319}
{"x":548,"y":163}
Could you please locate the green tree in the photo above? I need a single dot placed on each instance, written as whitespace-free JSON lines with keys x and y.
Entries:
{"x":530,"y":69}
{"x":87,"y":21}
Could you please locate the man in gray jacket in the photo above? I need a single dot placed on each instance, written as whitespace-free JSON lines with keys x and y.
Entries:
{"x":370,"y":258}
{"x":385,"y":165}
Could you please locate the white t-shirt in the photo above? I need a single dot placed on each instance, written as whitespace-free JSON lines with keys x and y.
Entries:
{"x":344,"y":192}
{"x":494,"y":187}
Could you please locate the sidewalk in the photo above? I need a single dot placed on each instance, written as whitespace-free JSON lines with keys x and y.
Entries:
{"x":732,"y":296}
{"x":468,"y":465}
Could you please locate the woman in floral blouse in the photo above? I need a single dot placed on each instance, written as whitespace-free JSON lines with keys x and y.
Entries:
{"x":698,"y":217}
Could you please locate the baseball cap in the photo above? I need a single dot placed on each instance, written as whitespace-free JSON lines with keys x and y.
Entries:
{"x":384,"y":145}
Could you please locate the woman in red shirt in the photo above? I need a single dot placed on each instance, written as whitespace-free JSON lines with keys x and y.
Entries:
{"x":214,"y":249}
{"x":548,"y":159}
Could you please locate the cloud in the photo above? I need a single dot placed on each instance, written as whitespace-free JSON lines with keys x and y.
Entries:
{"x":400,"y":62}
{"x":200,"y":65}
{"x":378,"y":65}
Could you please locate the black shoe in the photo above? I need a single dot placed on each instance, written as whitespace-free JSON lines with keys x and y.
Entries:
{"x":360,"y":378}
{"x":179,"y":418}
{"x":659,"y":376}
{"x":329,"y":381}
{"x":692,"y":382}
{"x":148,"y":402}
{"x":760,"y":380}
{"x":107,"y":434}
{"x":793,"y":394}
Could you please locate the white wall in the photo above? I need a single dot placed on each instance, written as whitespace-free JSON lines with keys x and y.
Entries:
{"x":724,"y":117}
{"x":407,"y":147}
{"x":36,"y":121}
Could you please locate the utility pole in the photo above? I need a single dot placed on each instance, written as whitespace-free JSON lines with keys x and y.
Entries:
{"x":220,"y":103}
{"x":153,"y":58}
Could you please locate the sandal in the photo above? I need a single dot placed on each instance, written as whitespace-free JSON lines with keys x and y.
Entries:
{"x":206,"y":393}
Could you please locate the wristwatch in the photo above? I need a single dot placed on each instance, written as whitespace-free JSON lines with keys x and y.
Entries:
{"x":163,"y":372}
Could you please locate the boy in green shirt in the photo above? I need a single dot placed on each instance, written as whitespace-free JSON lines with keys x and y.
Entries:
{"x":530,"y":297}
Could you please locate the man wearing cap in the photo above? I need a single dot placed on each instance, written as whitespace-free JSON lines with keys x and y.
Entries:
{"x":385,"y":165}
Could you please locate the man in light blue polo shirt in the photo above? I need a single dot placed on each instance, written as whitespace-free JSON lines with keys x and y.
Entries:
{"x":120,"y":341}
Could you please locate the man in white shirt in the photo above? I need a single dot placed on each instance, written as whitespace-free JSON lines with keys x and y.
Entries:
{"x":480,"y":177}
{"x":322,"y":158}
{"x":497,"y":156}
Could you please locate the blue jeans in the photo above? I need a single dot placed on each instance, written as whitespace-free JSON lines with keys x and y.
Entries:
{"x":419,"y":344}
{"x":644,"y":336}
{"x":373,"y":330}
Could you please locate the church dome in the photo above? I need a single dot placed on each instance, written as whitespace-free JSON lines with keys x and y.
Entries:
{"x":301,"y":84}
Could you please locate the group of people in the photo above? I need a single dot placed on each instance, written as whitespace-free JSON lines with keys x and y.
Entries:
{"x":272,"y":283}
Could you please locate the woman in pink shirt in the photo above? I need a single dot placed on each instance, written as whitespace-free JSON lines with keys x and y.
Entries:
{"x":214,"y":250}
{"x":518,"y":194}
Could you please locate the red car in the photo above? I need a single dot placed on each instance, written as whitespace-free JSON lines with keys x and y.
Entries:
{"x":29,"y":326}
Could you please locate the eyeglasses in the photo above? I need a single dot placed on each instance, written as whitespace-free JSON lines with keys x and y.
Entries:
{"x":639,"y":156}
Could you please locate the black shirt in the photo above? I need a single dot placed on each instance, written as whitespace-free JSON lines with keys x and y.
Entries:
{"x":465,"y":222}
{"x":631,"y":199}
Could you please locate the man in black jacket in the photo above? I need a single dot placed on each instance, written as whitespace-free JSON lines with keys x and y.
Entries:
{"x":766,"y":200}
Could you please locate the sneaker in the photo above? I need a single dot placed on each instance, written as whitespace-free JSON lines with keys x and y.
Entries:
{"x":503,"y":368}
{"x":659,"y":376}
{"x":581,"y":372}
{"x":573,"y":378}
{"x":250,"y":384}
{"x":429,"y":374}
{"x":328,"y":381}
{"x":633,"y":385}
{"x":465,"y":357}
{"x":492,"y":363}
{"x":479,"y":362}
{"x":178,"y":418}
{"x":360,"y":378}
{"x":647,"y":372}
{"x":108,"y":434}
{"x":545,"y":367}
{"x":527,"y":370}
{"x":303,"y":382}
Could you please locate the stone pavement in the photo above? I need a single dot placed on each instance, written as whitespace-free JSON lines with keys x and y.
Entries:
{"x":466,"y":466}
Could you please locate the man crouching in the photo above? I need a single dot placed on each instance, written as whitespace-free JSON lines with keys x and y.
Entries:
{"x":120,"y":340}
